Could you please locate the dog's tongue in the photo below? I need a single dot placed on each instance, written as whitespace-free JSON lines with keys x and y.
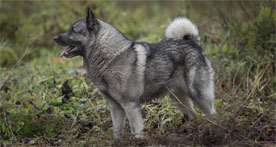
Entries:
{"x":67,"y":50}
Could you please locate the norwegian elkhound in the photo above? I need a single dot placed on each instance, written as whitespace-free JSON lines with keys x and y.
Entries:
{"x":128,"y":73}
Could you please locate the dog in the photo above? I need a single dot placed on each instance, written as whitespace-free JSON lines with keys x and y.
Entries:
{"x":128,"y":73}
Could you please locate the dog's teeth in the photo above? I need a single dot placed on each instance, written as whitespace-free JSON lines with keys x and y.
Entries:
{"x":62,"y":54}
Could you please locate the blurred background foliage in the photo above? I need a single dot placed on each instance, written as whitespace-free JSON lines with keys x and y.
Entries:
{"x":31,"y":23}
{"x":250,"y":26}
{"x":239,"y":37}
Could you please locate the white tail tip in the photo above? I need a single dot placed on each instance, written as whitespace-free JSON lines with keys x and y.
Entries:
{"x":180,"y":27}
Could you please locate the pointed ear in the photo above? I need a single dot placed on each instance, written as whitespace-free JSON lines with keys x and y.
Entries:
{"x":91,"y":21}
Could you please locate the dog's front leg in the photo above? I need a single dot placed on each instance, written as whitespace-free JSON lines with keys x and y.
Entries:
{"x":117,"y":115}
{"x":133,"y":112}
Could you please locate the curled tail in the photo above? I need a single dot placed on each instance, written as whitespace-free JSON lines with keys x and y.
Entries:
{"x":182,"y":28}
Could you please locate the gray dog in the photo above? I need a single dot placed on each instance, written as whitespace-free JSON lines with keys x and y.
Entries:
{"x":128,"y":73}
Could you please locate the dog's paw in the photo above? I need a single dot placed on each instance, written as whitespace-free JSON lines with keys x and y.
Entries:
{"x":140,"y":135}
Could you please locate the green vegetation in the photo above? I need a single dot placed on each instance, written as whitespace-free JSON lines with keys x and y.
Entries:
{"x":39,"y":107}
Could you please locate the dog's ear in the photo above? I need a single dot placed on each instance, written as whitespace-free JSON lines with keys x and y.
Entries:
{"x":91,"y":21}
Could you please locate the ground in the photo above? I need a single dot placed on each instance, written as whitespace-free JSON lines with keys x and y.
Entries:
{"x":46,"y":102}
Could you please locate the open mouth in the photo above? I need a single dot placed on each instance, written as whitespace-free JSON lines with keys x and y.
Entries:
{"x":69,"y":50}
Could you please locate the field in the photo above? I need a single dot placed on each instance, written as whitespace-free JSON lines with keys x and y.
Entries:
{"x":46,"y":101}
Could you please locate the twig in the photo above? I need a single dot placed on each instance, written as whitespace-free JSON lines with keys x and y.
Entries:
{"x":244,"y":10}
{"x":76,"y":120}
{"x":43,"y":80}
{"x":255,"y":86}
{"x":7,"y":124}
{"x":234,"y":79}
{"x":247,"y":79}
{"x":26,"y":52}
{"x":257,"y":120}
{"x":93,"y":106}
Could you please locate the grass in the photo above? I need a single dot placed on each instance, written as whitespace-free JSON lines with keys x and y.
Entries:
{"x":36,"y":111}
{"x":44,"y":102}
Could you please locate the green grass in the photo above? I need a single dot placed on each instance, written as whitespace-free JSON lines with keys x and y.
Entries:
{"x":35,"y":111}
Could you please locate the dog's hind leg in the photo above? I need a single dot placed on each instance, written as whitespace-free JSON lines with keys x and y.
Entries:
{"x":201,"y":89}
{"x":134,"y":115}
{"x":183,"y":103}
{"x":117,"y":115}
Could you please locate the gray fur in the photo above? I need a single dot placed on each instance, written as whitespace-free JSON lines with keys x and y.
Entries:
{"x":129,"y":73}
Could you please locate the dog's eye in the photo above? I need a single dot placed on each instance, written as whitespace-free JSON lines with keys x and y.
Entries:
{"x":83,"y":32}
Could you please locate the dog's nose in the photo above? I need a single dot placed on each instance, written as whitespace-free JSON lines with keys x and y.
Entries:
{"x":56,"y":38}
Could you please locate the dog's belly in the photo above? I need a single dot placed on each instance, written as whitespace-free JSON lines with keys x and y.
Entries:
{"x":151,"y":94}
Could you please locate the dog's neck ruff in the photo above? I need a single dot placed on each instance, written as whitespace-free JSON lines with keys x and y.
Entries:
{"x":109,"y":44}
{"x":111,"y":41}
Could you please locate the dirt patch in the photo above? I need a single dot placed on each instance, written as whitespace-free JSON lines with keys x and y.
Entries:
{"x":199,"y":133}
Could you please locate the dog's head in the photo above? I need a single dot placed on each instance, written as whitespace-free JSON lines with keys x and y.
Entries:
{"x":82,"y":34}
